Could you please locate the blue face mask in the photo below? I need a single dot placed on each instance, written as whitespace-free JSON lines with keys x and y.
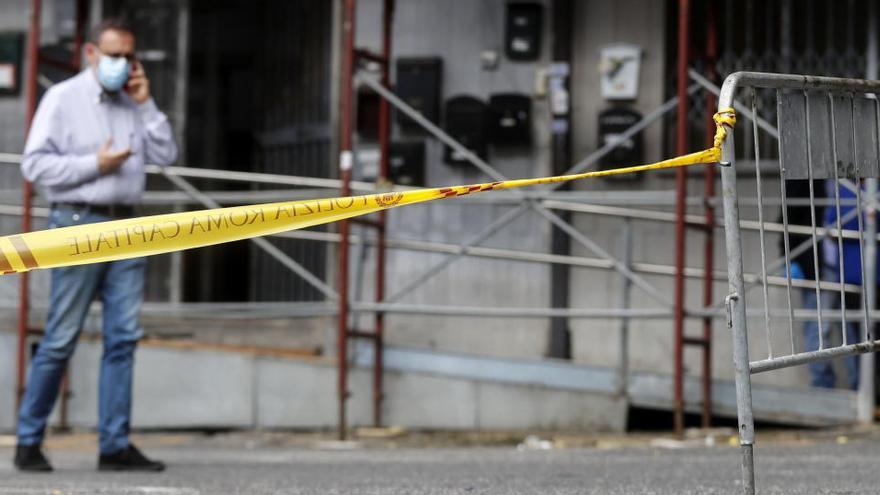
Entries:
{"x":113,"y":72}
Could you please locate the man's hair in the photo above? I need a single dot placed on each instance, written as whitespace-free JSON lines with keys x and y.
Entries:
{"x":110,"y":24}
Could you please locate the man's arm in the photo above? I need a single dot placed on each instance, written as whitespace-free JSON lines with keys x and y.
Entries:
{"x":45,"y":159}
{"x":159,"y":145}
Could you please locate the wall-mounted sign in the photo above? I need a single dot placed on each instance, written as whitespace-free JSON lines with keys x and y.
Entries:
{"x":619,"y":67}
{"x":10,"y":63}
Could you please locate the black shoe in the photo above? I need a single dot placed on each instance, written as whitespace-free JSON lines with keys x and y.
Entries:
{"x":30,"y":458}
{"x":128,"y":459}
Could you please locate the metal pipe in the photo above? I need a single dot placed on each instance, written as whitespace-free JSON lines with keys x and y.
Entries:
{"x":33,"y":61}
{"x":346,"y":160}
{"x":263,"y":178}
{"x":263,"y":311}
{"x":836,"y":183}
{"x":809,"y":357}
{"x":576,"y":261}
{"x":735,"y":304}
{"x":697,"y":220}
{"x":82,"y":15}
{"x":559,"y":335}
{"x":625,"y":296}
{"x":681,"y":192}
{"x":384,"y":150}
{"x":512,"y":312}
{"x":786,"y":241}
{"x":758,"y":187}
{"x":816,"y":265}
{"x":76,"y":62}
{"x":866,"y":397}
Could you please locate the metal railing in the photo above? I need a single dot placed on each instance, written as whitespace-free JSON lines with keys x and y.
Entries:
{"x":829,"y":137}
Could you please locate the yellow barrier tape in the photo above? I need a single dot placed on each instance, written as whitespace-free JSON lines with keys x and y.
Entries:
{"x":145,"y":236}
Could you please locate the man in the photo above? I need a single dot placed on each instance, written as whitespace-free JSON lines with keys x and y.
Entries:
{"x":851,"y":258}
{"x":803,"y":267}
{"x":86,"y":150}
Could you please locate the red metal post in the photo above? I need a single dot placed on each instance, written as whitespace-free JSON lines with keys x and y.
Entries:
{"x":681,"y":192}
{"x":384,"y":147}
{"x":345,"y":163}
{"x":709,"y":194}
{"x":82,"y":9}
{"x":82,"y":16}
{"x":33,"y":55}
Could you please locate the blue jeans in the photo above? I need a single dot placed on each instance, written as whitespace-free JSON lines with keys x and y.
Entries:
{"x":120,"y":286}
{"x":822,"y":372}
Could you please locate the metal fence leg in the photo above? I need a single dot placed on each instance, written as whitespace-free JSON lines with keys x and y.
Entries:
{"x":745,"y":420}
{"x":748,"y":469}
{"x":743,"y":379}
{"x":735,"y":301}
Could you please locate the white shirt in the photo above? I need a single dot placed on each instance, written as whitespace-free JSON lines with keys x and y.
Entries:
{"x":73,"y":120}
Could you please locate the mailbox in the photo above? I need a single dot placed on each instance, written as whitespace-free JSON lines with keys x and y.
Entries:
{"x":418,"y":84}
{"x":467,"y":121}
{"x":406,"y":163}
{"x":511,"y":119}
{"x":612,"y":123}
{"x":523,"y":34}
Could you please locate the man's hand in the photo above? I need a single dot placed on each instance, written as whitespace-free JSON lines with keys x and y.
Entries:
{"x":138,"y":86}
{"x":110,"y":161}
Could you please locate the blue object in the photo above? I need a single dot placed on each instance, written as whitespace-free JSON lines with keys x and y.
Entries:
{"x":113,"y":72}
{"x":852,"y":262}
{"x":119,"y":285}
{"x":797,"y":271}
{"x":822,"y":372}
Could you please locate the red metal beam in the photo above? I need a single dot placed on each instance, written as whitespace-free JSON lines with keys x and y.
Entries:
{"x":82,"y":16}
{"x":345,"y":163}
{"x":709,"y":212}
{"x":33,"y":55}
{"x":681,"y":192}
{"x":369,"y":222}
{"x":65,"y":65}
{"x":373,"y":57}
{"x":82,"y":10}
{"x":384,"y":147}
{"x":32,"y":88}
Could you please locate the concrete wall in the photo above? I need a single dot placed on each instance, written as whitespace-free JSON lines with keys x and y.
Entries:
{"x":177,"y":388}
{"x":209,"y":388}
{"x":457,"y":31}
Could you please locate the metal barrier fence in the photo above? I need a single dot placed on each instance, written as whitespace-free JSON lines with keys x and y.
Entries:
{"x":828,"y":139}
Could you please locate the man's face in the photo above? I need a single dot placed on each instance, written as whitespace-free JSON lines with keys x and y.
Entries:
{"x":113,"y":43}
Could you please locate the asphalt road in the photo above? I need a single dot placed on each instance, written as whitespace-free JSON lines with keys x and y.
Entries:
{"x":244,"y":466}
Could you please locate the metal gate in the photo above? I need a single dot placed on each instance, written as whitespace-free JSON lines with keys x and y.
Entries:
{"x":827,"y":135}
